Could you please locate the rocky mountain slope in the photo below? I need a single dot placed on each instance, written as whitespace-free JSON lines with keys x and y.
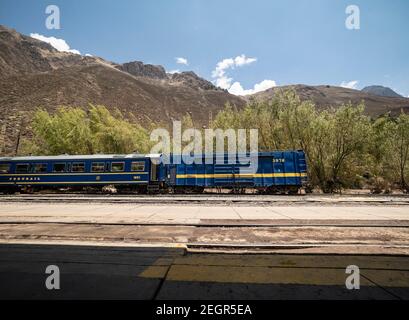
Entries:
{"x":381,"y":91}
{"x":34,"y":74}
{"x":327,"y":96}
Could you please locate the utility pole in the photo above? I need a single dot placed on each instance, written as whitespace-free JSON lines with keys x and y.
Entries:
{"x":19,"y":136}
{"x":3,"y":139}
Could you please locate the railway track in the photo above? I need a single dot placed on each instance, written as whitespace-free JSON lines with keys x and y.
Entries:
{"x":210,"y":198}
{"x":323,"y":247}
{"x":243,"y":224}
{"x":367,"y":239}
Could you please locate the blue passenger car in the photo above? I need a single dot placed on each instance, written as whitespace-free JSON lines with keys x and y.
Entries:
{"x":132,"y":170}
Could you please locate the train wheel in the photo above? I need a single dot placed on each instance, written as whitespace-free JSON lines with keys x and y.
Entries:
{"x":238,"y":190}
{"x":140,"y":189}
{"x":276,"y":190}
{"x":293,"y":190}
{"x":27,"y":190}
{"x":200,"y":189}
{"x":8,"y":191}
{"x":187,"y":190}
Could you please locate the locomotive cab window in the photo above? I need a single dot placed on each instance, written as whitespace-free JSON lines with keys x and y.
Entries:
{"x":78,"y":167}
{"x":98,"y":167}
{"x":117,"y":166}
{"x":4,"y":168}
{"x":22,"y":168}
{"x":59,"y":167}
{"x":138,"y":166}
{"x":40,"y":168}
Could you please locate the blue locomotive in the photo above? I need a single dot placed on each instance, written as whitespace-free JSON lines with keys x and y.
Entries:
{"x":278,"y":171}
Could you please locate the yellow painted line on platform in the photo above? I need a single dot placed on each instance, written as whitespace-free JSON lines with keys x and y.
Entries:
{"x":388,"y":278}
{"x":303,"y":276}
{"x":301,"y":270}
{"x":257,"y":275}
{"x":154,"y":272}
{"x":144,"y":245}
{"x":292,"y":261}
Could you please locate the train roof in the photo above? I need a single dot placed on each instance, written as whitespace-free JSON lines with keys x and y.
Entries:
{"x":67,"y":157}
{"x":81,"y":157}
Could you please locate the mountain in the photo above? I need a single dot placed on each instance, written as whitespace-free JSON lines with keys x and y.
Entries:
{"x":139,"y":69}
{"x":381,"y":91}
{"x":34,"y":74}
{"x":326,"y":96}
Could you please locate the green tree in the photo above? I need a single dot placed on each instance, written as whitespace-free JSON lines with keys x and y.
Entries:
{"x":66,"y":131}
{"x":401,"y":146}
{"x":76,"y":131}
{"x":335,"y":141}
{"x":113,"y":134}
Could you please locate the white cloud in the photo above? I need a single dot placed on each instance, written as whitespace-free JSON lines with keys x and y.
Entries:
{"x":174,"y":71}
{"x":223,"y":81}
{"x":180,"y":60}
{"x":88,"y":55}
{"x":238,"y":90}
{"x":222,"y":66}
{"x":243,"y":60}
{"x":350,"y":85}
{"x":228,"y":63}
{"x":58,"y":44}
{"x":219,"y":73}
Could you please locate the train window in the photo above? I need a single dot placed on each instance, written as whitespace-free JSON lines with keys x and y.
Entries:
{"x":4,"y":168}
{"x":40,"y":168}
{"x":22,"y":168}
{"x":97,"y":167}
{"x":58,"y":167}
{"x":117,"y":166}
{"x":138,"y":166}
{"x":78,"y":167}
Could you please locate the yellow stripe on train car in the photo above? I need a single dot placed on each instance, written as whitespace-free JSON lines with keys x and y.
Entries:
{"x":242,"y":175}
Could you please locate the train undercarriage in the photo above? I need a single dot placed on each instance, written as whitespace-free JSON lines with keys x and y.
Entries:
{"x":153,"y":189}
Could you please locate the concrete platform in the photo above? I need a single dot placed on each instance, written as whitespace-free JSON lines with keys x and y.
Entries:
{"x":175,"y":251}
{"x":213,"y":198}
{"x":245,"y":239}
{"x":89,"y":272}
{"x":190,"y":214}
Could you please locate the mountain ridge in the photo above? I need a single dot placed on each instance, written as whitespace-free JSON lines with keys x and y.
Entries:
{"x":33,"y":74}
{"x":381,"y":91}
{"x":325,"y":96}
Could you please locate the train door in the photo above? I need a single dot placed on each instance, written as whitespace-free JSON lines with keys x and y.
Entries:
{"x":154,"y":171}
{"x":279,"y":169}
{"x":172,"y":174}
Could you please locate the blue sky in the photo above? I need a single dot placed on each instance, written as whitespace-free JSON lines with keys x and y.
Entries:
{"x":287,"y":42}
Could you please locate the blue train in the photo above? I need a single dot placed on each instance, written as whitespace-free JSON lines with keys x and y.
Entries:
{"x":276,"y":172}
